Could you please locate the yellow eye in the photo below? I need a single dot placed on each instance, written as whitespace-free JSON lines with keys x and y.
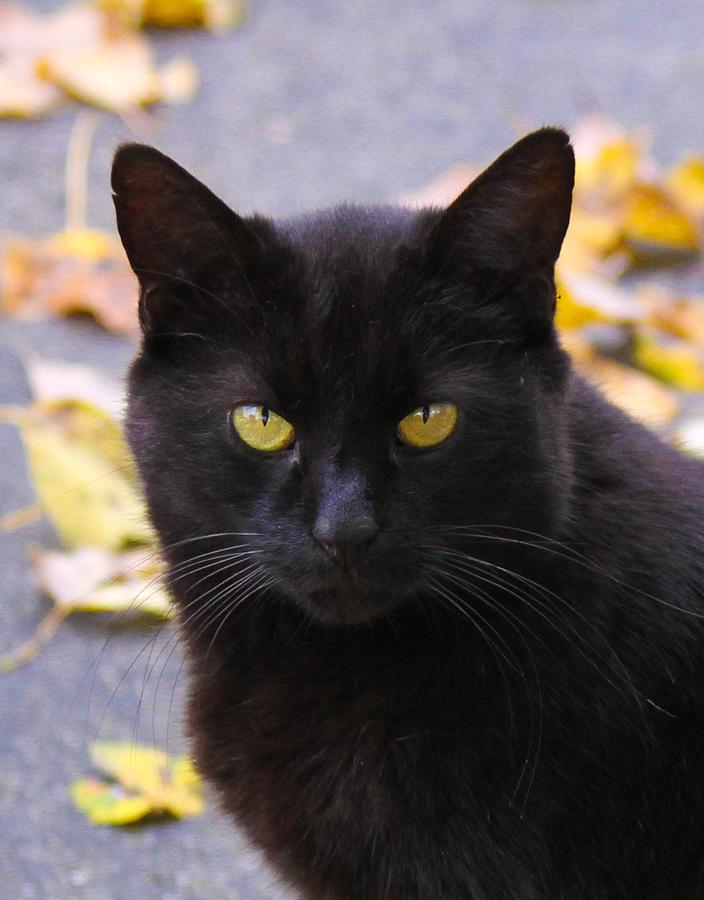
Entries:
{"x":428,"y":425}
{"x":261,"y":428}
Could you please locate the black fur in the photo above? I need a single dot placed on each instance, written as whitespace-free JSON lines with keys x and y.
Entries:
{"x":505,"y":698}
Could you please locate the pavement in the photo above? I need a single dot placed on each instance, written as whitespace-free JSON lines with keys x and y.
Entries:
{"x":311,"y":103}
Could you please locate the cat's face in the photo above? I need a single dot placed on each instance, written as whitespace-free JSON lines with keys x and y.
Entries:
{"x":347,"y":396}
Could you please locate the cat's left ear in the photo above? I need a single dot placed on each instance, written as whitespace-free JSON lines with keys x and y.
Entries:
{"x":179,"y":237}
{"x":510,"y":222}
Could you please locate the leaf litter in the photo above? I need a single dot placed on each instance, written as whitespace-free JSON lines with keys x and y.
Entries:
{"x":86,"y":485}
{"x":96,"y":53}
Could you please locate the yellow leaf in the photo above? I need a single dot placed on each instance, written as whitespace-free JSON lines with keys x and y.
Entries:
{"x":686,"y":181}
{"x":571,"y":313}
{"x":83,"y":475}
{"x":584,"y":299}
{"x":108,"y":804}
{"x":131,"y":595}
{"x":215,"y":15}
{"x":671,"y":360}
{"x":185,"y":795}
{"x":590,"y":238}
{"x":608,"y":172}
{"x":82,"y":244}
{"x":138,"y":768}
{"x":655,"y":229}
{"x":163,"y":784}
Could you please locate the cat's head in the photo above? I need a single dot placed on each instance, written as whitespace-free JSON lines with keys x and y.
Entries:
{"x":348,"y":395}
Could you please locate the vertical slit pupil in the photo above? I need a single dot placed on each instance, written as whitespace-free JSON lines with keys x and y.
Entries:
{"x":426,"y":412}
{"x":265,"y":415}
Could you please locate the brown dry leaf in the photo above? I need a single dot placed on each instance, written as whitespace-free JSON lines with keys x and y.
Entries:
{"x":82,"y":271}
{"x":84,"y":51}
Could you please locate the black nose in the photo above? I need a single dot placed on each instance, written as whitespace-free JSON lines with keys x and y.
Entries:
{"x":345,"y":541}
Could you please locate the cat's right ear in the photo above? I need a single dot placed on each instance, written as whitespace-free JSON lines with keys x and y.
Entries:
{"x":179,"y":237}
{"x":504,"y":231}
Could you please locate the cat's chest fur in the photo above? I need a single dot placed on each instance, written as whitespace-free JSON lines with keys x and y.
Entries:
{"x":334,"y":754}
{"x":341,"y":760}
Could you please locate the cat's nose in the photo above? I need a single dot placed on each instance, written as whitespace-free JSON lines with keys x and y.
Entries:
{"x":345,"y":540}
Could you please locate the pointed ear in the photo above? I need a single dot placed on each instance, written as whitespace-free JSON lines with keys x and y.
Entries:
{"x":502,"y":235}
{"x":178,"y":236}
{"x":515,"y":214}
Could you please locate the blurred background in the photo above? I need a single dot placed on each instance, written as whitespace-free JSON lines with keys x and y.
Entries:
{"x":300,"y":105}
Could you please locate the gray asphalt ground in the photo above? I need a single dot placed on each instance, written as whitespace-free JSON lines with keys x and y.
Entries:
{"x":311,"y":103}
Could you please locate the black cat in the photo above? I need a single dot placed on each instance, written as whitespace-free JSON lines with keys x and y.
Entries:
{"x":442,"y":602}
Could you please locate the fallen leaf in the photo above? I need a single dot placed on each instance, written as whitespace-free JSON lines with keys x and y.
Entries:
{"x":83,"y":474}
{"x":51,"y":380}
{"x":674,"y":361}
{"x":91,"y":579}
{"x":83,"y":271}
{"x":584,"y":299}
{"x":591,"y":238}
{"x":108,"y":804}
{"x":686,"y":182}
{"x":213,"y":15}
{"x":23,"y":93}
{"x":85,"y":51}
{"x":118,"y":74}
{"x":145,"y":781}
{"x":655,"y":229}
{"x":607,"y":173}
